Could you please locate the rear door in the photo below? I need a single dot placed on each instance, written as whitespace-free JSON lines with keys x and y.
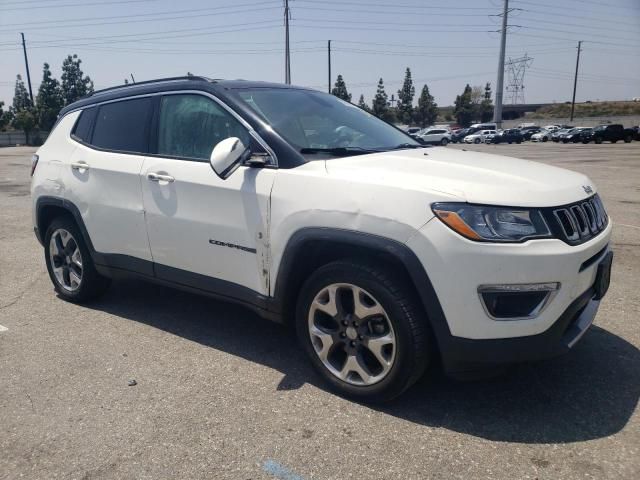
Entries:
{"x":103,"y":179}
{"x":204,"y":231}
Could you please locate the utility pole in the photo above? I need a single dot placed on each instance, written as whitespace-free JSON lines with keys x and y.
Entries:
{"x":26,"y":64}
{"x":287,"y":57}
{"x":575,"y":81}
{"x":329,"y":59}
{"x":497,"y":111}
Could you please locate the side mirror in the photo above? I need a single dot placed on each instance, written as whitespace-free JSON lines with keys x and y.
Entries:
{"x":227,"y":156}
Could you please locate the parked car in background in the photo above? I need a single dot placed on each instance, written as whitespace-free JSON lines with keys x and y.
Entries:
{"x":511,"y":135}
{"x":636,"y":129}
{"x":527,"y":132}
{"x":575,"y":135}
{"x":413,"y":131}
{"x":551,"y":128}
{"x":609,"y":133}
{"x":485,"y":126}
{"x":458,"y":136}
{"x":527,"y":125}
{"x":558,"y":134}
{"x":434,"y":136}
{"x":478,"y":137}
{"x":542,"y":136}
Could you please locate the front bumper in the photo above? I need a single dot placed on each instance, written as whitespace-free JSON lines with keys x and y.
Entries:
{"x":467,"y":355}
{"x":467,"y":336}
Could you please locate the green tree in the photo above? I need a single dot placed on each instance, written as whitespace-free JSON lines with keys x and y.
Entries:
{"x":427,"y":110}
{"x":75,"y":84}
{"x":363,"y":105}
{"x":25,"y":120}
{"x":49,"y":100}
{"x":486,"y":105}
{"x":3,"y":117}
{"x":21,"y":100}
{"x":405,"y":99}
{"x":380,"y":106}
{"x":340,"y":89}
{"x":463,"y":108}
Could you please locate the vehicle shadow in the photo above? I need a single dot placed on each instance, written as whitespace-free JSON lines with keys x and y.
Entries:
{"x":590,"y":393}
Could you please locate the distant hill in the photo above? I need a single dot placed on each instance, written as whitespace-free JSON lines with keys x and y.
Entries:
{"x":590,"y":109}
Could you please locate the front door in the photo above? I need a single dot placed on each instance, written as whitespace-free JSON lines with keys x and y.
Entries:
{"x":204,"y":231}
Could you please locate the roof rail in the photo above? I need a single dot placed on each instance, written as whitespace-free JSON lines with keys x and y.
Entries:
{"x":147,"y":82}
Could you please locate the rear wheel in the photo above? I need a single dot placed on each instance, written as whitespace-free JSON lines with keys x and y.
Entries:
{"x":69,"y":263}
{"x":598,"y":140}
{"x":545,"y":139}
{"x":444,"y":142}
{"x":362,"y":330}
{"x":627,"y":139}
{"x":476,"y":140}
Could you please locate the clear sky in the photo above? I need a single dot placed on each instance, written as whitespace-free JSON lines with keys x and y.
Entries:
{"x":445,"y":43}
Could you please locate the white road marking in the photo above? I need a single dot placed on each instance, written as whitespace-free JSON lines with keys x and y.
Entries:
{"x":3,"y":329}
{"x":629,"y":226}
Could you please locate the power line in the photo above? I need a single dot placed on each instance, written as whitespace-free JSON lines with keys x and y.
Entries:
{"x":124,"y":18}
{"x":77,"y":5}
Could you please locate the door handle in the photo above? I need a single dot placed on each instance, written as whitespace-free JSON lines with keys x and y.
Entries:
{"x":80,"y":166}
{"x":157,"y":177}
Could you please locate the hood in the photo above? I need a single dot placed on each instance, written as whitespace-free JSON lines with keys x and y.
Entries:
{"x":470,"y":176}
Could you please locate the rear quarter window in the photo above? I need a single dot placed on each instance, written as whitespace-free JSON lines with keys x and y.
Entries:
{"x":82,"y":129}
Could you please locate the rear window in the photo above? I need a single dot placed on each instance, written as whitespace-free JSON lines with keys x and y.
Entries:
{"x":82,"y":129}
{"x":123,"y":126}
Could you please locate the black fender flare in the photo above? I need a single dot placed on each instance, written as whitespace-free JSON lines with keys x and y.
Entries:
{"x":400,"y":252}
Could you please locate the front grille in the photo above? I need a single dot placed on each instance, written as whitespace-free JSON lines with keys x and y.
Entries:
{"x":578,"y":222}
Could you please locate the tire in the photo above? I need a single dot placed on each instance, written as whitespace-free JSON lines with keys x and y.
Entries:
{"x":476,"y":140}
{"x":627,"y":139}
{"x":614,"y":141}
{"x":585,"y":142}
{"x":598,"y":140}
{"x":397,"y":316}
{"x":444,"y":142}
{"x":545,"y":139}
{"x":518,"y":142}
{"x":69,"y":263}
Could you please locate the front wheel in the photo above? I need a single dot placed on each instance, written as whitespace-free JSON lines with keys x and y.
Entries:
{"x":545,"y":139}
{"x":627,"y":139}
{"x":69,"y":263}
{"x":598,"y":140}
{"x":363,"y":330}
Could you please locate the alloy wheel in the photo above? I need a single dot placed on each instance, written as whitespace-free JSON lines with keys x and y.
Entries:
{"x":352,"y":334}
{"x":66,"y":260}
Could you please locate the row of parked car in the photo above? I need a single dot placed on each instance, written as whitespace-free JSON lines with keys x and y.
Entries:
{"x":488,"y":133}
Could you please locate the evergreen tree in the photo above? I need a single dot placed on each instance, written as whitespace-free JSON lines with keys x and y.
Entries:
{"x":363,"y":105}
{"x":49,"y":100}
{"x":463,"y":108}
{"x":340,"y":89}
{"x":380,"y":106}
{"x":486,"y":105}
{"x":75,"y":84}
{"x":21,"y":100}
{"x":4,"y":118}
{"x":25,"y":120}
{"x":405,"y":99}
{"x":427,"y":110}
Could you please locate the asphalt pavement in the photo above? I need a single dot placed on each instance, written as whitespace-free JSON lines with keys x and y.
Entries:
{"x":222,"y":394}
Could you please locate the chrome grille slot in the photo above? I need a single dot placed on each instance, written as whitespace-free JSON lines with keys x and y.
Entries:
{"x":581,"y":221}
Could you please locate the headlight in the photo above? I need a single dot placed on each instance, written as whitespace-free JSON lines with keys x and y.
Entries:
{"x":492,"y":224}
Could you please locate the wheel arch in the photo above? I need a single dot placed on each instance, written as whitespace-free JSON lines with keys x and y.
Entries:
{"x":49,"y":208}
{"x":310,"y":248}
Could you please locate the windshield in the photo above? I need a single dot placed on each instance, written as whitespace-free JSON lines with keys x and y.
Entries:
{"x":313,"y":121}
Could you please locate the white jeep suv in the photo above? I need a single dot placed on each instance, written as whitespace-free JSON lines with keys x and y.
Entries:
{"x":384,"y":254}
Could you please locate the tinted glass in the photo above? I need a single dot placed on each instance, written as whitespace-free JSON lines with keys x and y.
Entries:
{"x":123,"y":126}
{"x":191,"y":125}
{"x":82,"y":129}
{"x":309,"y":119}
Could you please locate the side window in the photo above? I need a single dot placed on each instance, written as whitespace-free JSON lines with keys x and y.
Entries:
{"x":82,"y":129}
{"x":123,"y":126}
{"x":191,"y":125}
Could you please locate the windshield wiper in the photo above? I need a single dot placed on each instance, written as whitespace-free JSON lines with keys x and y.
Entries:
{"x":342,"y":151}
{"x":407,"y":145}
